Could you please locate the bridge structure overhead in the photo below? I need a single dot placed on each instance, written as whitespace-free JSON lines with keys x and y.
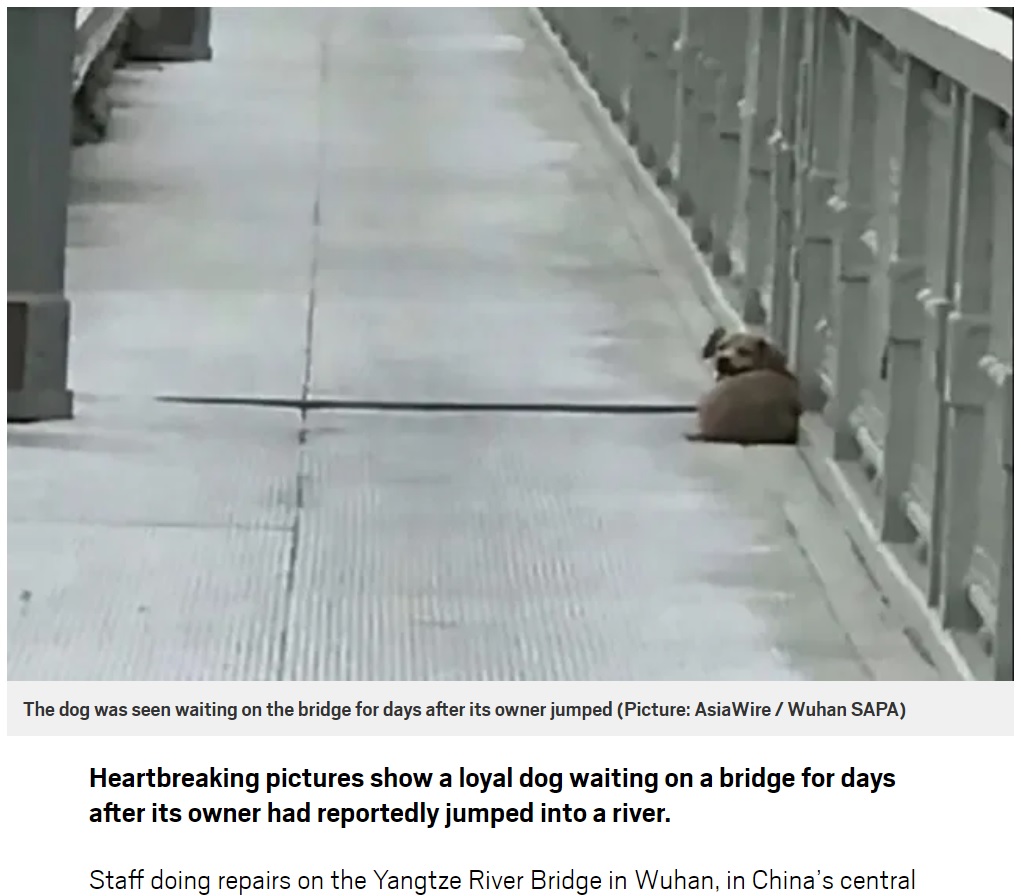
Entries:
{"x":362,"y":343}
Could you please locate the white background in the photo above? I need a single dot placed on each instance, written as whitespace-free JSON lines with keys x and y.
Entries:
{"x":951,"y":815}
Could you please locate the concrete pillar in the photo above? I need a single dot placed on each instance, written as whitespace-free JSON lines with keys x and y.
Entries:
{"x":170,"y":34}
{"x":40,"y":51}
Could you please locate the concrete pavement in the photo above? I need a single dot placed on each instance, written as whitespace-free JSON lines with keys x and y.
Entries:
{"x":397,"y":205}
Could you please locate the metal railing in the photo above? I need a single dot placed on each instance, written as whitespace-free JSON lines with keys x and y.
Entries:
{"x":848,"y":175}
{"x":94,"y":28}
{"x":99,"y":34}
{"x":104,"y":36}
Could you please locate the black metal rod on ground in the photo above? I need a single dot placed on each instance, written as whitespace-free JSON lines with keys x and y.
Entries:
{"x":436,"y":406}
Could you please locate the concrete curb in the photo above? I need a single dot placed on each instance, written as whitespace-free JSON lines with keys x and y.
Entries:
{"x":877,"y":559}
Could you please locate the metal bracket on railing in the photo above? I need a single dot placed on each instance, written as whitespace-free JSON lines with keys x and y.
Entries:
{"x":778,"y":142}
{"x":906,"y":320}
{"x":935,"y":308}
{"x":745,"y":109}
{"x":967,"y":343}
{"x":995,"y":369}
{"x":907,"y":315}
{"x":820,"y":216}
{"x":837,"y":204}
{"x":1007,"y":448}
{"x":1001,"y":375}
{"x":870,"y":239}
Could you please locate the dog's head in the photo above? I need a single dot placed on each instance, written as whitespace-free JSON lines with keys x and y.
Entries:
{"x":735,"y":353}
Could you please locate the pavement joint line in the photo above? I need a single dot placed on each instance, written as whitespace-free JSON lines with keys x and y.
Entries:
{"x":457,"y":407}
{"x":283,"y":643}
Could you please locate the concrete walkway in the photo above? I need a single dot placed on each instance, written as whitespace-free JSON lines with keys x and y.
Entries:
{"x":398,"y":206}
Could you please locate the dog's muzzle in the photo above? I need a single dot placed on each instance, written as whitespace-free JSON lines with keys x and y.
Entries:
{"x":724,"y":367}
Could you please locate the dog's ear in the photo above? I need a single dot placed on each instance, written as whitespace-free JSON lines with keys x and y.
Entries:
{"x":770,"y":357}
{"x":713,"y":342}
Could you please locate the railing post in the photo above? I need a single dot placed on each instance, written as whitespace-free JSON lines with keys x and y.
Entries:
{"x":853,"y":204}
{"x":944,"y":138}
{"x":1003,"y":633}
{"x":656,"y":128}
{"x":556,"y":19}
{"x":170,"y":34}
{"x":638,"y":88}
{"x":597,"y":59}
{"x":995,"y":547}
{"x":816,"y":155}
{"x":602,"y":50}
{"x":573,"y":36}
{"x":685,"y":160}
{"x":616,"y":63}
{"x":40,"y":54}
{"x":908,"y":208}
{"x":785,"y":175}
{"x":586,"y":19}
{"x":758,"y":115}
{"x":967,"y":389}
{"x":729,"y":48}
{"x":699,"y":80}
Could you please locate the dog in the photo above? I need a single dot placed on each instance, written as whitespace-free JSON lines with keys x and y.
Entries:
{"x":756,"y":398}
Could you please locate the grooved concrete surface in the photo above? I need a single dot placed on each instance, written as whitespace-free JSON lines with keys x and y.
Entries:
{"x":396,"y":204}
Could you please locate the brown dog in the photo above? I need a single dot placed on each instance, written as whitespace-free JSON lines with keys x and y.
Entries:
{"x":756,"y":398}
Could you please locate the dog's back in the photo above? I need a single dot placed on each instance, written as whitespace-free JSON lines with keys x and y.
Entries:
{"x":758,"y":407}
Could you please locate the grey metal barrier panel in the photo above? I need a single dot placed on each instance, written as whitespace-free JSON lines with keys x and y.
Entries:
{"x":59,"y":62}
{"x":50,"y":56}
{"x":848,"y":175}
{"x":171,"y":34}
{"x":40,"y":51}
